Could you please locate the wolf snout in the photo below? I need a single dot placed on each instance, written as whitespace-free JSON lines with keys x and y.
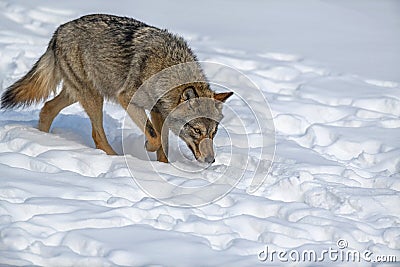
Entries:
{"x":209,"y":159}
{"x":207,"y":150}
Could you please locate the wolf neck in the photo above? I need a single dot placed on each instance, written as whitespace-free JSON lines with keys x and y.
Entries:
{"x":170,"y":66}
{"x":162,"y":61}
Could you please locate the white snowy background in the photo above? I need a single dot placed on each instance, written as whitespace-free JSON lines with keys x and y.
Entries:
{"x":331,"y":73}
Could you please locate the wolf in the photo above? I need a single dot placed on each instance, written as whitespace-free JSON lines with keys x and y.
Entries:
{"x":100,"y":56}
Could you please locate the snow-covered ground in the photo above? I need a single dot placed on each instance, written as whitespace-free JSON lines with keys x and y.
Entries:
{"x":330,"y":72}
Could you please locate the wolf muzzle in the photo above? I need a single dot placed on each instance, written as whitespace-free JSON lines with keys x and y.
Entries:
{"x":206,"y":148}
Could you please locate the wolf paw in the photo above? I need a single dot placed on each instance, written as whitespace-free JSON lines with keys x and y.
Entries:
{"x":152,"y":147}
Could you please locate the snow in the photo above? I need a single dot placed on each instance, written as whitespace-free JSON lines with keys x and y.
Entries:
{"x":329,"y":71}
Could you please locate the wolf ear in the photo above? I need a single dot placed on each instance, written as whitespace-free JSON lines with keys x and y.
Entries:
{"x":222,"y":97}
{"x":188,"y":93}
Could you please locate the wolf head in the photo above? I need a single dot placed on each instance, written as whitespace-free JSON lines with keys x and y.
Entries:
{"x":196,"y":120}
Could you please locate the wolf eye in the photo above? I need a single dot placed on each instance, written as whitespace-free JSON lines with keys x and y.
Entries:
{"x":196,"y":131}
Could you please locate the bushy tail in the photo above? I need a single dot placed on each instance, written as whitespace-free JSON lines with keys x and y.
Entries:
{"x":36,"y":85}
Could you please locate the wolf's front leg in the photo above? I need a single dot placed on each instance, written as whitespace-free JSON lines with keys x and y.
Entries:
{"x":153,"y":142}
{"x":158,"y":122}
{"x":139,"y":117}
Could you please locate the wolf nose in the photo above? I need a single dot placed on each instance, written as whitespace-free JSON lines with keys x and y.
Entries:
{"x":210,"y":159}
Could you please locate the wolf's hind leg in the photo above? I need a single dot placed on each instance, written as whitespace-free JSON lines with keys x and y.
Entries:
{"x":52,"y":108}
{"x":139,"y":117}
{"x":93,"y":105}
{"x":158,"y":121}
